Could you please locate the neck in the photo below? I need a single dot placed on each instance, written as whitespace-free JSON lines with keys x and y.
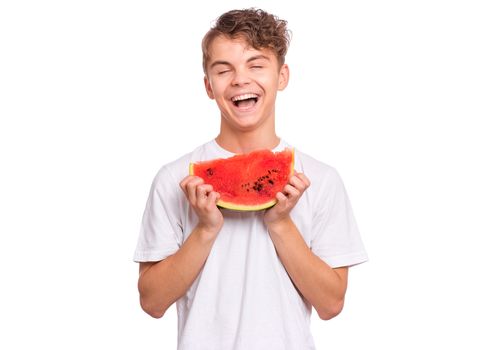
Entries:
{"x":245,"y":142}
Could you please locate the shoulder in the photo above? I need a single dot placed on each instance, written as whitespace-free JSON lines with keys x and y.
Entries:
{"x":303,"y":160}
{"x":316,"y":170}
{"x":174,"y":171}
{"x":325,"y":181}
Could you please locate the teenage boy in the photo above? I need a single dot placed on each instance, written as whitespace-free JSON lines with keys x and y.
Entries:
{"x":246,"y":280}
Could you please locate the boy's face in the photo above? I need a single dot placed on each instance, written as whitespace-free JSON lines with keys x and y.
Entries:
{"x":244,"y":82}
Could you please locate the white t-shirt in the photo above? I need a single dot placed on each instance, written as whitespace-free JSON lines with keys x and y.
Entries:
{"x":243,"y":299}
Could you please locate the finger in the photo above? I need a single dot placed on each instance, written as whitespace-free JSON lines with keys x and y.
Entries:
{"x":191,"y":187}
{"x":291,"y":192}
{"x":296,"y":182}
{"x":186,"y":180}
{"x":213,"y":198}
{"x":202,"y":194}
{"x":303,"y":178}
{"x":281,"y":199}
{"x":207,"y":188}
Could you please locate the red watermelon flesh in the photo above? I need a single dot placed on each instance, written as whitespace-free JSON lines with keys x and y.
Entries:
{"x":247,"y":181}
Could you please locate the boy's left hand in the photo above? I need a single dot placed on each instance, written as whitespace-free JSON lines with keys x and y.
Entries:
{"x":287,"y":199}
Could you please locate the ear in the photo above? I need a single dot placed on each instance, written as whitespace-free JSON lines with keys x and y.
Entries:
{"x":283,"y":77}
{"x":208,"y":87}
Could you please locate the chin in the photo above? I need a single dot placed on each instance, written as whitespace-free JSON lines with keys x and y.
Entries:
{"x":247,"y":124}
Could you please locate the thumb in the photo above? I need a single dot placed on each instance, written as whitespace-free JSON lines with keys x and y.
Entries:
{"x":214,"y":197}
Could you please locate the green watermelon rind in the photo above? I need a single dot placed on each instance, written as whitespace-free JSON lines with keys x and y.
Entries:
{"x":242,"y":207}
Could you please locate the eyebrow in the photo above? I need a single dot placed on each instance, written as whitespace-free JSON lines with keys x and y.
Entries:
{"x":258,"y":57}
{"x":253,"y":58}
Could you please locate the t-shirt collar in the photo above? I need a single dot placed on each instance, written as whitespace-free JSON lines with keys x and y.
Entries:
{"x":223,"y":153}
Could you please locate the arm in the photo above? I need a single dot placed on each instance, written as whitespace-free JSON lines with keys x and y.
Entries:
{"x":323,"y":286}
{"x":161,"y":283}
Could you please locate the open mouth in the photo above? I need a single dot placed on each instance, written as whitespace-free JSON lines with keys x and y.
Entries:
{"x":245,"y":101}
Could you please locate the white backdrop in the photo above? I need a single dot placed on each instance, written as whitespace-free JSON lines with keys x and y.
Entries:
{"x":96,"y":95}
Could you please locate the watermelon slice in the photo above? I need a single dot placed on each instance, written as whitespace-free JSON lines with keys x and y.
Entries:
{"x":247,"y":181}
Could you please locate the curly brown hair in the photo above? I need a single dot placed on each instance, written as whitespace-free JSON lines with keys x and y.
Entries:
{"x":258,"y":28}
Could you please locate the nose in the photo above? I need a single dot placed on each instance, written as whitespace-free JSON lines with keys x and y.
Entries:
{"x":240,"y":78}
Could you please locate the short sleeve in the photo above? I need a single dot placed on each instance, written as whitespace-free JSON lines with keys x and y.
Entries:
{"x":161,"y":228}
{"x":335,"y":236}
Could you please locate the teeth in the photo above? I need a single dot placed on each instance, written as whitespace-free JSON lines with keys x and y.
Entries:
{"x":244,"y":97}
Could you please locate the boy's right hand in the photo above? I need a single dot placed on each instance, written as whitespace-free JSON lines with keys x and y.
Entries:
{"x":203,"y":200}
